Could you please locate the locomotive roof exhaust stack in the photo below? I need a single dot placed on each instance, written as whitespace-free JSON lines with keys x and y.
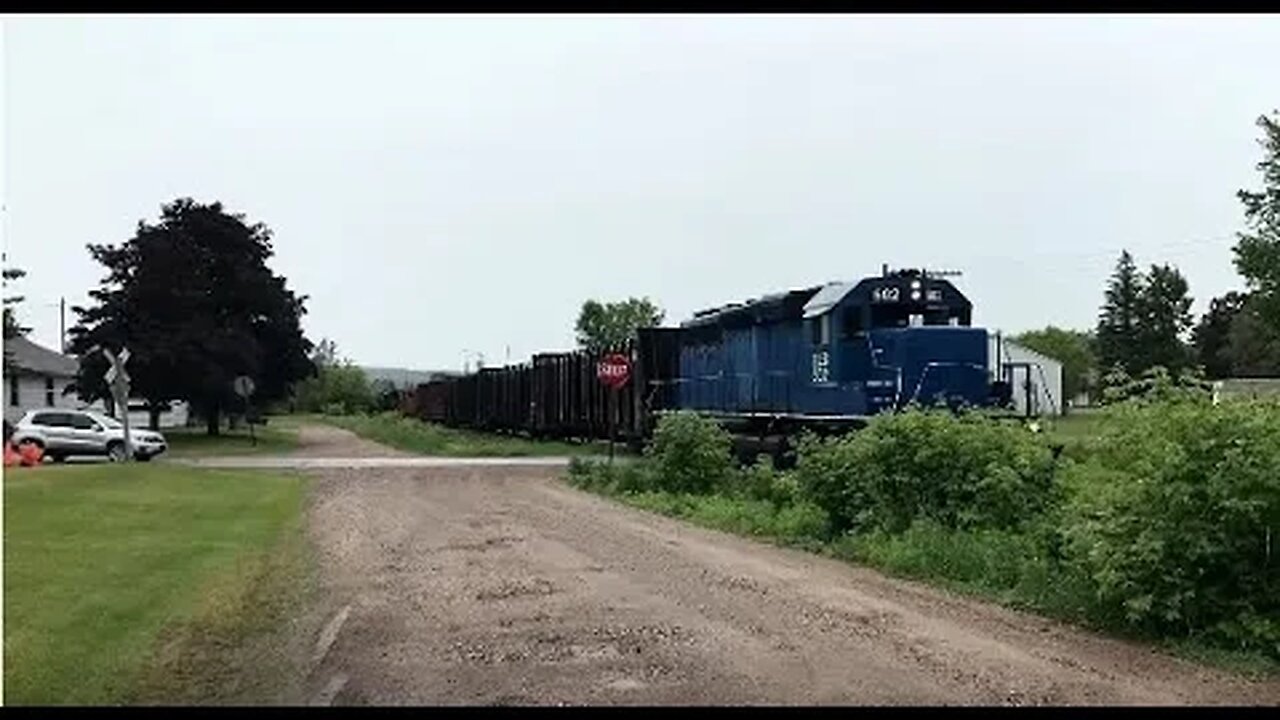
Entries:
{"x":884,"y":270}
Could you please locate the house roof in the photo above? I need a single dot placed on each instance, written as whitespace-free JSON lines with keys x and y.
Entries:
{"x":38,"y":359}
{"x":1009,"y":349}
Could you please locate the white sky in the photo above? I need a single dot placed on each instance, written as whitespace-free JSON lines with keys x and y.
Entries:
{"x":438,"y":184}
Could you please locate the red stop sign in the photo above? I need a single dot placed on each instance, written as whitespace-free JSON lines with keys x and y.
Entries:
{"x":614,"y":370}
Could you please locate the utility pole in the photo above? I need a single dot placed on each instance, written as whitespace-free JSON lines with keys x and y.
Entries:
{"x":62,"y":324}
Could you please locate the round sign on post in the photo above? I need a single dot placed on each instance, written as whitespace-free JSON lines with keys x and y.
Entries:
{"x":614,"y":370}
{"x":244,"y":387}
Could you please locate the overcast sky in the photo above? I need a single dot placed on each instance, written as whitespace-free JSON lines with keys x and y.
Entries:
{"x":441,"y":184}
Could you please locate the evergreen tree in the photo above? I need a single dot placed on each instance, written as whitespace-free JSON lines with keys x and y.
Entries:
{"x":1257,"y":258}
{"x":1119,"y":333}
{"x":1165,"y":318}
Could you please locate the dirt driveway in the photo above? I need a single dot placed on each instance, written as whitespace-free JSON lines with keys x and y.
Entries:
{"x":500,"y":585}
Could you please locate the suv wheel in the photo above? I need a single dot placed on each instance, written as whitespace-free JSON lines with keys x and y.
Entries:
{"x":115,"y":452}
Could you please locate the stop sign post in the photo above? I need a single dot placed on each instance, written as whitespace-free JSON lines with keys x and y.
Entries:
{"x":614,"y":370}
{"x":244,"y":387}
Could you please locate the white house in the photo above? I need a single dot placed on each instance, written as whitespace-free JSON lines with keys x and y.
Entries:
{"x":176,"y":416}
{"x":38,"y":379}
{"x":1021,"y":366}
{"x":41,"y":376}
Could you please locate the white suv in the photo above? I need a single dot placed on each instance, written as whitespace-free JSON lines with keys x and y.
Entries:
{"x":62,"y":433}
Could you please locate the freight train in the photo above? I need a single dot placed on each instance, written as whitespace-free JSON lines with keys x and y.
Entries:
{"x":824,"y":358}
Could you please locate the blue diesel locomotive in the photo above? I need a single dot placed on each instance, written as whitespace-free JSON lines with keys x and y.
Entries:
{"x":825,"y":357}
{"x":835,"y":353}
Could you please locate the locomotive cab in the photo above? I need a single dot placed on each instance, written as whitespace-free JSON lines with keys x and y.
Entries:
{"x":900,"y":338}
{"x":834,"y":353}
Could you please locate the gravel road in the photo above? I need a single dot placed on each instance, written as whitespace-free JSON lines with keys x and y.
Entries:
{"x":501,"y":585}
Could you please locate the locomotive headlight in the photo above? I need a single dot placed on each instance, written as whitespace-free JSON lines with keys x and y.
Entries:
{"x":915,"y":294}
{"x":915,"y":284}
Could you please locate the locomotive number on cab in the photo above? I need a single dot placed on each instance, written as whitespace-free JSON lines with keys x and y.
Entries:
{"x":884,"y":294}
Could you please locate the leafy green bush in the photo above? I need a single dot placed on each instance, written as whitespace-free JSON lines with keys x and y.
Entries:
{"x":963,"y":471}
{"x":1155,"y":385}
{"x":625,"y":477}
{"x":1174,"y":519}
{"x":582,"y":473}
{"x":801,"y":521}
{"x":336,"y":390}
{"x":690,"y":454}
{"x":632,"y":477}
{"x":757,"y":480}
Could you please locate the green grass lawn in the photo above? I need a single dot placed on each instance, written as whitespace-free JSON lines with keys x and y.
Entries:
{"x":278,"y":436}
{"x":136,"y":583}
{"x":1079,"y":425}
{"x":413,"y":435}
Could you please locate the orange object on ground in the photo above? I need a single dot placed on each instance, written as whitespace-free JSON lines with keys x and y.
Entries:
{"x":11,"y":456}
{"x":31,"y":454}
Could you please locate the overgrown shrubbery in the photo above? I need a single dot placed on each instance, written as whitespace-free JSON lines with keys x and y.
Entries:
{"x":961,"y":472}
{"x":1155,"y":385}
{"x":690,"y":454}
{"x":340,"y":389}
{"x":1164,"y":524}
{"x":1173,"y":519}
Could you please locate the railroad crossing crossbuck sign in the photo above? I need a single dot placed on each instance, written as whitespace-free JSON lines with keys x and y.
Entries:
{"x":118,"y":380}
{"x":116,"y":376}
{"x":614,"y":370}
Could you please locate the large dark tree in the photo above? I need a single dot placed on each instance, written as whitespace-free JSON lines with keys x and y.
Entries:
{"x":1119,"y":332}
{"x":606,"y":325}
{"x":1212,"y":337}
{"x":1254,"y":346}
{"x":194,"y":301}
{"x":1164,"y":320}
{"x":1257,"y":257}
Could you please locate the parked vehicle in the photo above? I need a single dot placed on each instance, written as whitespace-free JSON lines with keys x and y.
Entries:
{"x":65,"y":433}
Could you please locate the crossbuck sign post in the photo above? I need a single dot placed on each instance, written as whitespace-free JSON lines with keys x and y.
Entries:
{"x":118,"y":380}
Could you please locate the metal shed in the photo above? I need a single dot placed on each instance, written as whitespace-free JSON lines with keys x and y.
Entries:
{"x":1024,"y":368}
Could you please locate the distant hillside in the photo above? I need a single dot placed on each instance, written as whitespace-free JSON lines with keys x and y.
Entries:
{"x":403,"y":377}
